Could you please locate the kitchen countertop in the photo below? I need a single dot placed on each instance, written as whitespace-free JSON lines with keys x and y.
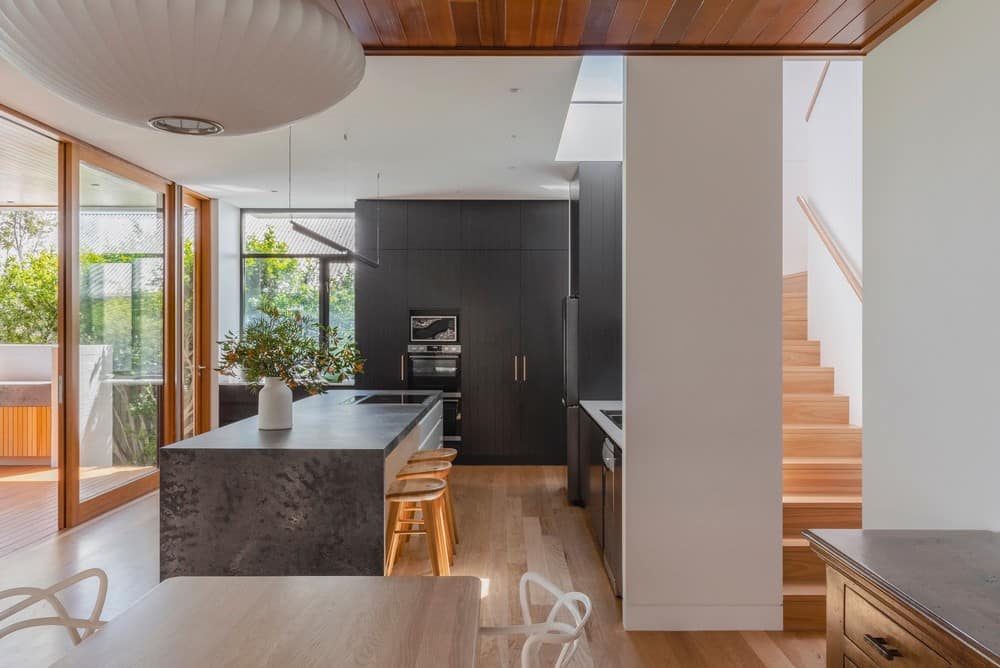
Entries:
{"x":25,"y":392}
{"x":953,"y":577}
{"x":594,"y":408}
{"x":324,"y":422}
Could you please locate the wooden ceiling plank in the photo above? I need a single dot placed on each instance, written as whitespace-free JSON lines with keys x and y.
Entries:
{"x":865,"y":20}
{"x":414,"y":21}
{"x":763,"y":13}
{"x":500,"y":25}
{"x":355,"y":13}
{"x":677,"y":21}
{"x":896,"y":19}
{"x":850,"y":10}
{"x":547,"y":16}
{"x":441,"y":22}
{"x":650,"y":22}
{"x":705,"y":19}
{"x":792,"y":11}
{"x":624,"y":22}
{"x":465,"y":17}
{"x":811,"y":20}
{"x":572,"y":22}
{"x":386,"y":20}
{"x":486,"y":10}
{"x":520,"y":22}
{"x":599,"y":15}
{"x":736,"y":15}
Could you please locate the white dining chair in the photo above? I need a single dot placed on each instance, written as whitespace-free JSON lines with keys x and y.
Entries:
{"x":73,"y":625}
{"x":569,"y":634}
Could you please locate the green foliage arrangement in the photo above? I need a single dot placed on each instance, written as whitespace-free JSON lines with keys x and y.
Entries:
{"x":290,"y":347}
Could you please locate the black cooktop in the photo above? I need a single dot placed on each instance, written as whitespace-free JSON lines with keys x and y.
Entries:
{"x":390,"y":398}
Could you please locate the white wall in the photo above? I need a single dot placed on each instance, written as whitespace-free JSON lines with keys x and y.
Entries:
{"x":932,"y":429}
{"x":799,"y":81}
{"x":834,"y":188}
{"x":703,"y":184}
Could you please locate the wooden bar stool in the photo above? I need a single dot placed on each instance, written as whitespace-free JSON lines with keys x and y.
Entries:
{"x":428,"y":494}
{"x":435,"y":470}
{"x":435,"y":455}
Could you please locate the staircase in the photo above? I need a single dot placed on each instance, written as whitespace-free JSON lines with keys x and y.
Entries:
{"x":821,"y":469}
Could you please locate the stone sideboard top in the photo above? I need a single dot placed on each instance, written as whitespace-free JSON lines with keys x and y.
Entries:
{"x":330,"y":421}
{"x":25,"y":393}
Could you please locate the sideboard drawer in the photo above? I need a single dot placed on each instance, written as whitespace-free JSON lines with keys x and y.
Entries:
{"x":882,"y":640}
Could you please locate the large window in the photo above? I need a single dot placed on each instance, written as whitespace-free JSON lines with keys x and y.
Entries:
{"x":288,"y":265}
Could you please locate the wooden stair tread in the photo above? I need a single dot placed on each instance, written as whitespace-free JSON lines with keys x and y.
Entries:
{"x":821,"y":461}
{"x":805,"y":500}
{"x":803,"y":368}
{"x":820,"y":426}
{"x":815,"y":395}
{"x":794,"y":542}
{"x":803,"y":589}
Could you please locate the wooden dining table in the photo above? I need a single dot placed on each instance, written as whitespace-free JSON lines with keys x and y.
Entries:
{"x":292,"y":621}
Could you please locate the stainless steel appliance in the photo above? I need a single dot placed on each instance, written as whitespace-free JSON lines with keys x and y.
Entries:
{"x":439,"y":367}
{"x":576,"y":461}
{"x":432,"y":328}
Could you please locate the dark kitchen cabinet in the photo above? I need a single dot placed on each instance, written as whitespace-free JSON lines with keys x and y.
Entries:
{"x":382,"y":320}
{"x":599,"y":264}
{"x":592,"y":441}
{"x":544,"y":281}
{"x":545,"y":225}
{"x":379,"y":224}
{"x":434,"y":279}
{"x":489,"y":329}
{"x":491,"y":224}
{"x":434,"y":224}
{"x":612,"y":455}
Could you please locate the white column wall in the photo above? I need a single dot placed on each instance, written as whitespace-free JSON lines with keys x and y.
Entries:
{"x":932,"y":236}
{"x":703,"y":219}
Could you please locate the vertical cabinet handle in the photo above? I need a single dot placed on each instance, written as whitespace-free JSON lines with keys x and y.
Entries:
{"x":402,"y":375}
{"x":515,"y":368}
{"x":881,"y":646}
{"x":524,"y":368}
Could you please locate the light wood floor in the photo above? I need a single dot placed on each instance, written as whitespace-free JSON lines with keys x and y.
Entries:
{"x":29,"y":498}
{"x":510,"y":519}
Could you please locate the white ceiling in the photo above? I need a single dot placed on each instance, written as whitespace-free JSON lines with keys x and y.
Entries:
{"x":433,"y":127}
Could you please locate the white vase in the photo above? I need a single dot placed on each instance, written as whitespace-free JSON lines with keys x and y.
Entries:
{"x":274,"y":405}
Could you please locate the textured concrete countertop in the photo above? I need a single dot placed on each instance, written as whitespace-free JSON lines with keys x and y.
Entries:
{"x":594,"y":408}
{"x":25,"y":392}
{"x":328,"y":421}
{"x":952,"y":577}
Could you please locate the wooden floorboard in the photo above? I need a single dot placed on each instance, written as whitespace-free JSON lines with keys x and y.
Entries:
{"x":517,"y":518}
{"x":501,"y":511}
{"x":29,"y":499}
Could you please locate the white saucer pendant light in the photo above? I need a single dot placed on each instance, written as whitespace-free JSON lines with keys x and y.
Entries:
{"x":196,"y":67}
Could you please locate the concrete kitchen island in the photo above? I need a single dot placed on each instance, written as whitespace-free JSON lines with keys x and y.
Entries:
{"x":307,"y":501}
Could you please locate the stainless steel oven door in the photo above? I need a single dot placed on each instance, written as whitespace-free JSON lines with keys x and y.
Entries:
{"x":435,"y":372}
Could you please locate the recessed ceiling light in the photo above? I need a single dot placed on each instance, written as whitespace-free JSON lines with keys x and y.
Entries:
{"x":515,"y":90}
{"x":95,"y":185}
{"x":274,"y":191}
{"x":183,"y":125}
{"x":511,"y":166}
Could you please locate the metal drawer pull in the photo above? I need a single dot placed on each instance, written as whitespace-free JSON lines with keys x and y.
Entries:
{"x":515,"y":368}
{"x":881,"y":646}
{"x":524,"y":368}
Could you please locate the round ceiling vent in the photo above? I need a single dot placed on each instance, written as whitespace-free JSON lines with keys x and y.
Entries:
{"x":248,"y":65}
{"x":180,"y":125}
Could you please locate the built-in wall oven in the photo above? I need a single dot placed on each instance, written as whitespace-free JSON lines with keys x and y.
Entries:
{"x":439,"y":367}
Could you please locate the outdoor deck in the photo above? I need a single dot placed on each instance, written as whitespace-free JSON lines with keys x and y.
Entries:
{"x":29,"y":498}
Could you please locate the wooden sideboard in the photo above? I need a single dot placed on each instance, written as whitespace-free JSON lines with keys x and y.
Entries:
{"x":26,"y":425}
{"x":911,"y":598}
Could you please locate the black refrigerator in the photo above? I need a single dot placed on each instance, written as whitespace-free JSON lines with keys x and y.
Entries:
{"x":576,"y":461}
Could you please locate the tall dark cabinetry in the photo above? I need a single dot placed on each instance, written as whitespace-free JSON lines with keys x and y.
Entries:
{"x":599,"y":279}
{"x":504,"y":266}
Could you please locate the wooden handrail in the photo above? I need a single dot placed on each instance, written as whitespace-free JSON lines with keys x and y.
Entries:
{"x":819,"y":87}
{"x":838,"y":256}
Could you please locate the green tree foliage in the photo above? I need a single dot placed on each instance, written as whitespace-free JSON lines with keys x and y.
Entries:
{"x":29,"y":278}
{"x":29,"y":298}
